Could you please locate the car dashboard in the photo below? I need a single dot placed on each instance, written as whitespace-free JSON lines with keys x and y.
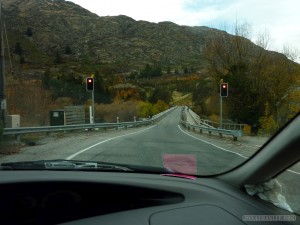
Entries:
{"x":81,"y":197}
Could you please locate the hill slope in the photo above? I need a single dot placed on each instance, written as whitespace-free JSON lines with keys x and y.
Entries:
{"x":57,"y":25}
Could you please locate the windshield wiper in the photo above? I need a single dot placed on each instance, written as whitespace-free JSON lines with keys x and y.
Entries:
{"x":61,"y":164}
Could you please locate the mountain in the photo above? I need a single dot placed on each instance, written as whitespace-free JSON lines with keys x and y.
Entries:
{"x":47,"y":30}
{"x":57,"y":24}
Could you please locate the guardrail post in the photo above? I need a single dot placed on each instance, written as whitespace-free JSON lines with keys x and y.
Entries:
{"x":18,"y":137}
{"x":220,"y":134}
{"x":200,"y":130}
{"x":209,"y":133}
{"x":118,"y":121}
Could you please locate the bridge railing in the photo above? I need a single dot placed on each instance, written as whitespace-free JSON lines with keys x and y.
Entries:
{"x":209,"y":126}
{"x":234,"y":133}
{"x":47,"y":129}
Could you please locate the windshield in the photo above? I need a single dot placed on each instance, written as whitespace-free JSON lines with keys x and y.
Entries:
{"x":185,"y":87}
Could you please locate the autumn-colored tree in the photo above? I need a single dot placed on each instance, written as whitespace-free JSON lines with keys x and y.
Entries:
{"x":160,"y":106}
{"x":268,"y":125}
{"x":255,"y":76}
{"x":144,"y":109}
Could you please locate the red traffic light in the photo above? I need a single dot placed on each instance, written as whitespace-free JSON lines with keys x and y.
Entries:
{"x":89,"y":84}
{"x":224,"y":90}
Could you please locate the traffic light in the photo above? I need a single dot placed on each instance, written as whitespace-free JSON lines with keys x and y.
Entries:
{"x":89,"y":84}
{"x":224,"y":89}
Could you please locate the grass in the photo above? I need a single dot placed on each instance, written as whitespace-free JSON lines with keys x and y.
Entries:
{"x":181,"y":99}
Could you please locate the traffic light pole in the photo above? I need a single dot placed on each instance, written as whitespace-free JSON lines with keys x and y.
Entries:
{"x":221,"y":111}
{"x":2,"y":74}
{"x":223,"y":93}
{"x":93,"y":107}
{"x":89,"y":82}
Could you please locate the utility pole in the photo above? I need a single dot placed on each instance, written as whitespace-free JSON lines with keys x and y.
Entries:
{"x":2,"y":73}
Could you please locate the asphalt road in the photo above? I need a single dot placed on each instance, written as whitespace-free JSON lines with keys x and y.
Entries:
{"x":149,"y":146}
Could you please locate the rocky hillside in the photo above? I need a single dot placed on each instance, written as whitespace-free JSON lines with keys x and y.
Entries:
{"x":47,"y":30}
{"x":57,"y":24}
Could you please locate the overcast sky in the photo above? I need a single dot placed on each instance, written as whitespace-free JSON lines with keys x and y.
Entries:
{"x":280,"y":18}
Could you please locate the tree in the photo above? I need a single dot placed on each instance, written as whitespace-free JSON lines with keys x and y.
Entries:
{"x":255,"y":76}
{"x":144,"y":109}
{"x":18,"y":49}
{"x":22,"y":60}
{"x":200,"y":93}
{"x":160,"y":93}
{"x":267,"y":122}
{"x":58,"y":59}
{"x":151,"y":71}
{"x":29,"y":32}
{"x":160,"y":106}
{"x":102,"y":94}
{"x":46,"y":80}
{"x":68,"y":50}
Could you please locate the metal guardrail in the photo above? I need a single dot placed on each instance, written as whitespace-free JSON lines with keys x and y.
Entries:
{"x":205,"y":127}
{"x":27,"y":130}
{"x":197,"y":119}
{"x":234,"y":133}
{"x":208,"y":123}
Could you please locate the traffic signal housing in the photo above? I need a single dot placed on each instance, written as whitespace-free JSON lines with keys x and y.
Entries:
{"x":89,"y":83}
{"x":224,"y":89}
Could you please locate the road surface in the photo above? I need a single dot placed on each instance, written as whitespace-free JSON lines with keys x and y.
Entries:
{"x":148,"y":147}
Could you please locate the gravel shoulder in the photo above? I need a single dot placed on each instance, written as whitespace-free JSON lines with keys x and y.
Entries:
{"x":60,"y":146}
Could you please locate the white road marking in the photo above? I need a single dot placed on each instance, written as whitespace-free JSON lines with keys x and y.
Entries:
{"x":212,"y":144}
{"x":101,"y":142}
{"x":291,"y":171}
